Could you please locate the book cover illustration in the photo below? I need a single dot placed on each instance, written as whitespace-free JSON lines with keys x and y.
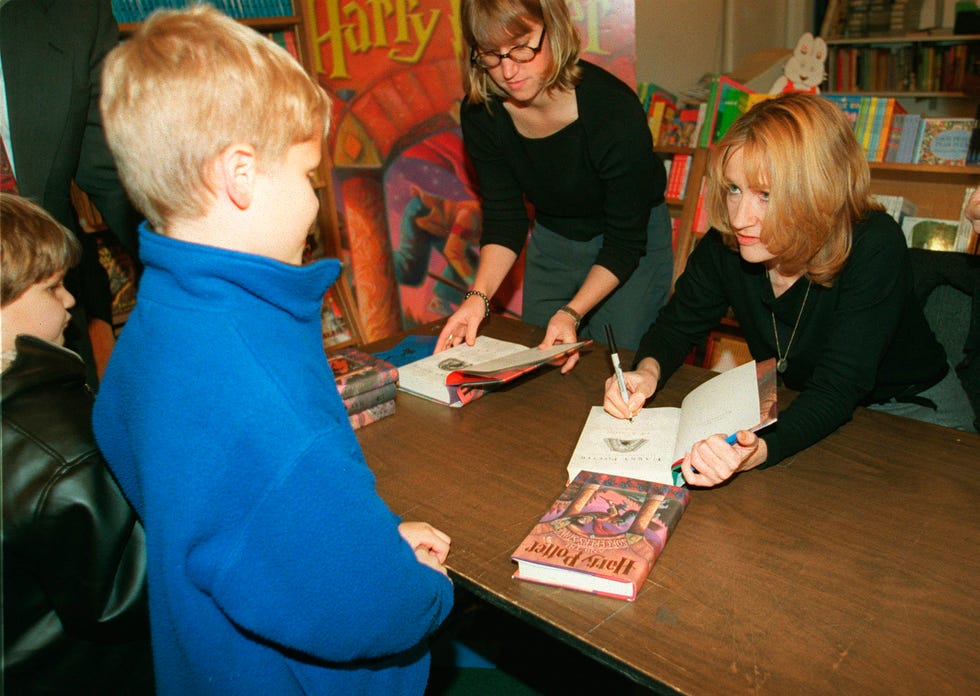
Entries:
{"x":602,"y":535}
{"x":944,"y":141}
{"x":357,"y":372}
{"x":929,"y":233}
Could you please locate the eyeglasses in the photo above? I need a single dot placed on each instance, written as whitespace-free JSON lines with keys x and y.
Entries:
{"x":518,"y":54}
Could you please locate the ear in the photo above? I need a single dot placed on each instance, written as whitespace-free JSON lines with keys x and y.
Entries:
{"x":235,"y":171}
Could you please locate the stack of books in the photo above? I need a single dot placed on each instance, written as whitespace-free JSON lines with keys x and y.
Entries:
{"x":366,"y":384}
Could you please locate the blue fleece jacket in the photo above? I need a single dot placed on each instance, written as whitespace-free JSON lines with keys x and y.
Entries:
{"x":273,"y":565}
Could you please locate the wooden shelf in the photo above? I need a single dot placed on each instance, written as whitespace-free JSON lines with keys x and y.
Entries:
{"x":902,"y":39}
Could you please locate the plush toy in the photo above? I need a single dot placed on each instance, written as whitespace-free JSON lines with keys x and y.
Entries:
{"x":804,"y":71}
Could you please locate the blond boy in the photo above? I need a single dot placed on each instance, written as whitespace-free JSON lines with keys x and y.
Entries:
{"x":274,"y":566}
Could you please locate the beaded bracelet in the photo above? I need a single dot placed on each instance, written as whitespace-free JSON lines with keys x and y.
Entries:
{"x":486,"y":301}
{"x":572,"y":313}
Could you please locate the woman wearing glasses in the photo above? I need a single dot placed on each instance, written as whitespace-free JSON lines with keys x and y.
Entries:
{"x":572,"y":139}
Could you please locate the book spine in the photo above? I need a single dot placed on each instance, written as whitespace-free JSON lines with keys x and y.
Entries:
{"x":364,"y":381}
{"x":371,"y":415}
{"x":365,"y":400}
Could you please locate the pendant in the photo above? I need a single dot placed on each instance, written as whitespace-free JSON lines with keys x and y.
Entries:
{"x":781,"y":365}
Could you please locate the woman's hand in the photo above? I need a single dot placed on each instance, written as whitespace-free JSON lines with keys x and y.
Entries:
{"x":463,"y":324}
{"x":712,"y":461}
{"x":561,"y":329}
{"x":640,"y":385}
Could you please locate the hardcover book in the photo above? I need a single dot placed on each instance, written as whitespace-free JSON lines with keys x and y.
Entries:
{"x":930,"y":233}
{"x":602,"y":535}
{"x":944,"y":141}
{"x":357,"y":372}
{"x":369,"y":399}
{"x":372,"y":414}
{"x":742,"y":398}
{"x":464,"y":373}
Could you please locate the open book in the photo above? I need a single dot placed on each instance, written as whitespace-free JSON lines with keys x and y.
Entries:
{"x":742,"y":398}
{"x":464,"y":373}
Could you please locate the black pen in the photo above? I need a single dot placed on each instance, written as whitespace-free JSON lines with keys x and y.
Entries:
{"x":616,"y":367}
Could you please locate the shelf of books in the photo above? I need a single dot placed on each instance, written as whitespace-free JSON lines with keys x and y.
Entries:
{"x":934,"y":66}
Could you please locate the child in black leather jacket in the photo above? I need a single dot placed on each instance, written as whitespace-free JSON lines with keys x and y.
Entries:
{"x":74,"y":586}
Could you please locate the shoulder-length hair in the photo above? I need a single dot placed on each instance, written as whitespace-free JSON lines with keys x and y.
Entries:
{"x":801,"y":149}
{"x":491,"y":23}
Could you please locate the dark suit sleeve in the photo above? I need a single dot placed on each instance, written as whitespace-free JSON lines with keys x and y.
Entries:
{"x":96,"y":173}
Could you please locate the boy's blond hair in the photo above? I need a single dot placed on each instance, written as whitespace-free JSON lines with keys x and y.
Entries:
{"x":187,"y":85}
{"x":801,"y":149}
{"x":33,"y":246}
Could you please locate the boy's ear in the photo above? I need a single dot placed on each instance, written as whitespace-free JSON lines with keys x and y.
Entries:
{"x":235,"y":171}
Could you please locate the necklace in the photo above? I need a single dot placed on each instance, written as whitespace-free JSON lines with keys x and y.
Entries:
{"x":781,"y":358}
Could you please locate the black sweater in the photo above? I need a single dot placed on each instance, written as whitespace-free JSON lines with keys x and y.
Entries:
{"x":861,"y":341}
{"x":598,"y":175}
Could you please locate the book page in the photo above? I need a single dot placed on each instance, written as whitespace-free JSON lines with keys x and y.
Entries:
{"x":427,"y":377}
{"x":642,"y":449}
{"x":524,"y":358}
{"x":723,"y":404}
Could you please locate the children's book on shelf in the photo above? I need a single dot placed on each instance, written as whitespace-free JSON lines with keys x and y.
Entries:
{"x":357,"y":372}
{"x":892,"y":109}
{"x":727,"y":100}
{"x":943,"y":141}
{"x":742,"y":398}
{"x":660,"y":114}
{"x":677,"y":177}
{"x":602,"y":535}
{"x":930,"y":233}
{"x":909,"y":139}
{"x":464,"y":373}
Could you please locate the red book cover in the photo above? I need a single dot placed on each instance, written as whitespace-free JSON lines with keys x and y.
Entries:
{"x":602,"y":535}
{"x":357,"y":372}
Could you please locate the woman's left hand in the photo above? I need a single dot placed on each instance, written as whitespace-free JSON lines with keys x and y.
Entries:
{"x":713,"y":461}
{"x":561,"y":329}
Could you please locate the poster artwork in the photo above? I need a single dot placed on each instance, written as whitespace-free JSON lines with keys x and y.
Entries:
{"x":408,"y":214}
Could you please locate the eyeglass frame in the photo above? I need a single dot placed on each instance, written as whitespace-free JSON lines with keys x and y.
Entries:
{"x":475,"y":55}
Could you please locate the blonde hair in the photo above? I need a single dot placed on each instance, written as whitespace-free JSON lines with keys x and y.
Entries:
{"x":496,"y":22}
{"x":33,"y":246}
{"x":801,"y":149}
{"x":187,"y":85}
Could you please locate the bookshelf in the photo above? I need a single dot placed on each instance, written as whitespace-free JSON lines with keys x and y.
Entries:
{"x":684,"y":209}
{"x":911,"y":66}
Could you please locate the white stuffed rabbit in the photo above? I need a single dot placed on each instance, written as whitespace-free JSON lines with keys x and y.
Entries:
{"x":804,"y":70}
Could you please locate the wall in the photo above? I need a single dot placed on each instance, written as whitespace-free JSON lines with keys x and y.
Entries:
{"x":678,"y":41}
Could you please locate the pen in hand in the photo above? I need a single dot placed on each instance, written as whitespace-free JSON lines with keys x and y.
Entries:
{"x":617,"y":368}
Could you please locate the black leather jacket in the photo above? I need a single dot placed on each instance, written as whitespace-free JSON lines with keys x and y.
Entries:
{"x":75,"y":616}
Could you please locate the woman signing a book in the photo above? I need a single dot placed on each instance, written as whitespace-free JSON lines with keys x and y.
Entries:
{"x":570,"y":138}
{"x":819,"y":279}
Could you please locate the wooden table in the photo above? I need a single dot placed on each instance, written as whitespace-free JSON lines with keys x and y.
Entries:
{"x":853,"y":567}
